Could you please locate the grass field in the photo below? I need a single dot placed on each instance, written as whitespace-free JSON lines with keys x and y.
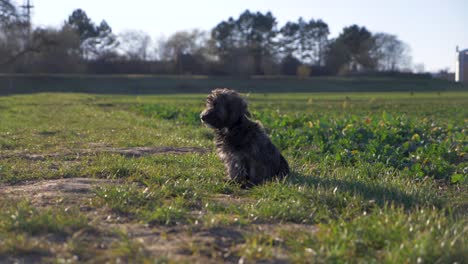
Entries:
{"x":377,"y":178}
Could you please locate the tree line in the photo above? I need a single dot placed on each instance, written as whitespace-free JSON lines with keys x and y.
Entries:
{"x":251,"y":44}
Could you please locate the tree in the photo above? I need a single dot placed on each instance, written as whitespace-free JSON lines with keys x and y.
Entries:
{"x":224,"y":38}
{"x":187,"y":49}
{"x":297,"y":40}
{"x":320,"y":32}
{"x":337,"y":57}
{"x":8,"y":12}
{"x":256,"y":32}
{"x":83,"y":25}
{"x":359,"y":43}
{"x":14,"y":43}
{"x":290,"y":37}
{"x":59,"y":51}
{"x":96,"y":41}
{"x":104,"y":43}
{"x":352,"y":50}
{"x":251,"y":35}
{"x":135,"y":45}
{"x":185,"y":42}
{"x":305,"y":40}
{"x":390,"y":53}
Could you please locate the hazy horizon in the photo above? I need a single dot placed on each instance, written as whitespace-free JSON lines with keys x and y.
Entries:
{"x":431,"y":28}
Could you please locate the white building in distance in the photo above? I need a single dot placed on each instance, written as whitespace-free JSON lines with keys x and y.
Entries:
{"x":461,"y":66}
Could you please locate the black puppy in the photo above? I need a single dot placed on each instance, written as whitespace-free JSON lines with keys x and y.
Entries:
{"x":248,"y":154}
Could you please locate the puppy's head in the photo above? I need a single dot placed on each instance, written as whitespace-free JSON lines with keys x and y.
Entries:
{"x":224,"y":108}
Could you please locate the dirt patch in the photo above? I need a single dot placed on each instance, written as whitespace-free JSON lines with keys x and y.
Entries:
{"x":128,"y":152}
{"x":195,"y":243}
{"x":71,"y":191}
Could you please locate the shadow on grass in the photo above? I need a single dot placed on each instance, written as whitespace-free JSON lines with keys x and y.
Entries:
{"x":372,"y":190}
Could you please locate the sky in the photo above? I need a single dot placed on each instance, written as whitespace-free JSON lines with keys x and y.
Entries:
{"x":432,"y":28}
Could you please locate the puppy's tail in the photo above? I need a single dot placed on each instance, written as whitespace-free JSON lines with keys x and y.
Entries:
{"x":283,"y":168}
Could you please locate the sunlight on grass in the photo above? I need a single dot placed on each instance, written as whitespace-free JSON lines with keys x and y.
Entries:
{"x":376,"y":177}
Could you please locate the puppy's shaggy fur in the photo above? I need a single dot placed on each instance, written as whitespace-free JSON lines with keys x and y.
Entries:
{"x":248,"y":154}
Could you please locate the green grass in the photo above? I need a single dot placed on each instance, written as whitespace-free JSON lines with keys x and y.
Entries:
{"x":376,"y":177}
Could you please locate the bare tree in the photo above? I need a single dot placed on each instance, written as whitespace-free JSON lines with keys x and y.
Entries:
{"x":390,"y":53}
{"x":135,"y":45}
{"x":159,"y":48}
{"x":184,"y":44}
{"x":14,"y":43}
{"x":8,"y":12}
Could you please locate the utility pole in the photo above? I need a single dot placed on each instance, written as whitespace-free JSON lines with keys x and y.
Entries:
{"x":28,"y":7}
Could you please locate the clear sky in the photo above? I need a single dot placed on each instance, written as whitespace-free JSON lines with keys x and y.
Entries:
{"x":432,"y":28}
